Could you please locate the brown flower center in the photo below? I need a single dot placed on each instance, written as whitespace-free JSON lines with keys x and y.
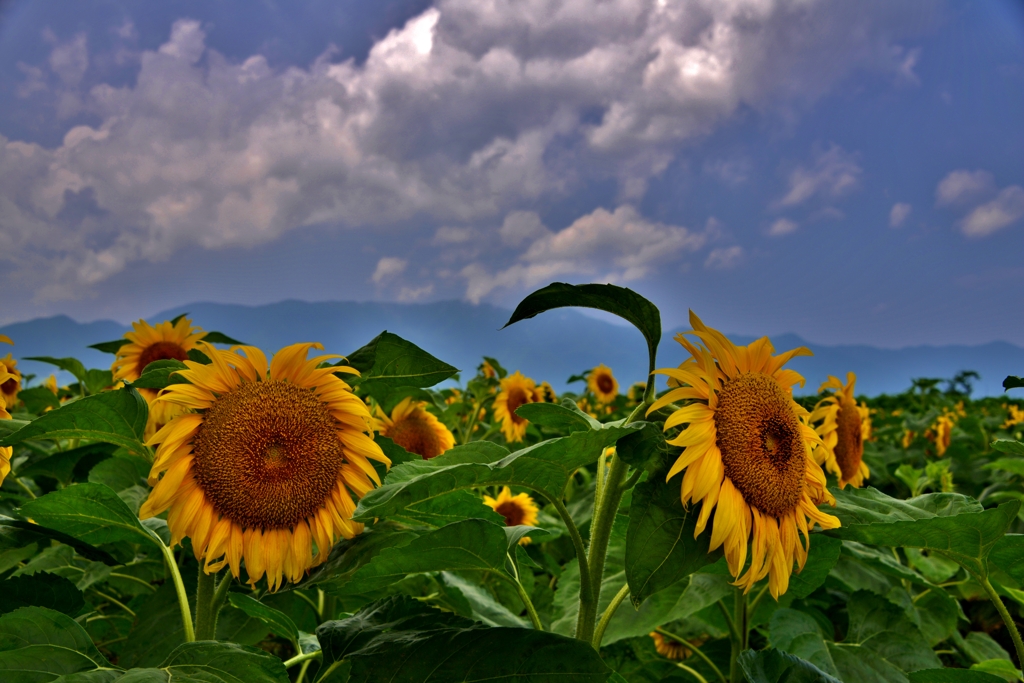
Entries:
{"x":10,"y":386}
{"x":512,"y":512}
{"x":416,"y":435}
{"x":267,"y":454}
{"x":517,"y":397}
{"x":849,"y":448}
{"x":605,"y":383}
{"x":761,"y":442}
{"x":162,"y":350}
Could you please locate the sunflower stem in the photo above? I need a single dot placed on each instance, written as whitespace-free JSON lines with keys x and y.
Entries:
{"x":1011,"y":626}
{"x":609,"y":612}
{"x":740,"y":632}
{"x":695,"y":650}
{"x":206,"y":620}
{"x":600,"y":533}
{"x":300,"y":658}
{"x":692,"y":672}
{"x":179,"y":587}
{"x":586,"y":590}
{"x":530,"y":609}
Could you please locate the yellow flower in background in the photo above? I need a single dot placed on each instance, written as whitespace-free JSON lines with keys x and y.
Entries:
{"x":269,"y":464}
{"x":148,"y":343}
{"x":414,"y":429}
{"x":747,"y":454}
{"x":941,"y":433}
{"x":843,"y":427}
{"x":487,"y":370}
{"x":908,"y":438}
{"x":515,"y":391}
{"x":5,"y":452}
{"x":602,"y":382}
{"x":453,"y":397}
{"x":518,"y":510}
{"x":1015,"y":416}
{"x":51,"y":384}
{"x":636,"y":392}
{"x":668,"y":648}
{"x":10,"y":387}
{"x":544,"y":393}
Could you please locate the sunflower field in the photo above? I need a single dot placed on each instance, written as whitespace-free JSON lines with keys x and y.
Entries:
{"x":206,"y":511}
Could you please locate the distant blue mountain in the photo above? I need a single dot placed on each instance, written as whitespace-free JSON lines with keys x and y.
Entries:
{"x":550,"y":347}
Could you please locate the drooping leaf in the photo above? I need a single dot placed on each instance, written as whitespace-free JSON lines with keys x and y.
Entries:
{"x":72,"y":365}
{"x":64,"y":465}
{"x":401,"y":640}
{"x":39,"y":644}
{"x":660,"y":547}
{"x":477,"y":603}
{"x":619,"y":301}
{"x":279,"y":623}
{"x":110,"y":346}
{"x":397,"y":363}
{"x":775,"y":666}
{"x":221,"y":338}
{"x":159,"y":374}
{"x":91,"y":513}
{"x":117,"y":417}
{"x":544,"y":467}
{"x":40,"y":590}
{"x":1012,"y":382}
{"x":1010,"y":446}
{"x":949,"y":523}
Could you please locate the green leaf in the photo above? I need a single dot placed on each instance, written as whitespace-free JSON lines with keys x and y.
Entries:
{"x":565,"y":417}
{"x":643,"y":447}
{"x":92,"y":513}
{"x":349,"y":555}
{"x":1008,"y":555}
{"x":404,"y":641}
{"x":110,"y":346}
{"x":1012,"y":382}
{"x":17,"y":533}
{"x":38,"y":399}
{"x":120,"y":472}
{"x":882,"y":627}
{"x":681,"y":600}
{"x":40,"y":590}
{"x":97,"y":380}
{"x":933,"y":567}
{"x":221,"y":338}
{"x":212,"y":662}
{"x":565,"y":607}
{"x":980,"y":647}
{"x":117,"y":417}
{"x":1003,"y":668}
{"x":67,"y":465}
{"x":949,"y":523}
{"x":446,"y":509}
{"x":397,"y":363}
{"x":280,"y":623}
{"x":158,"y":374}
{"x":544,"y":467}
{"x":619,"y":301}
{"x":157,"y":630}
{"x":1011,"y":465}
{"x":660,"y":547}
{"x":39,"y":644}
{"x":776,"y":666}
{"x":72,"y":365}
{"x":821,"y":558}
{"x":1010,"y":446}
{"x":477,"y":603}
{"x":953,"y":676}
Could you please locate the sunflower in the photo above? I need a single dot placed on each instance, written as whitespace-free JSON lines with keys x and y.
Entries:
{"x":636,"y":392}
{"x":518,"y":510}
{"x":9,"y":387}
{"x":267,"y":465}
{"x":146,"y":344}
{"x":941,"y":433}
{"x":908,"y":438}
{"x":414,"y":429}
{"x":1014,"y":417}
{"x":844,"y":427}
{"x":544,"y":393}
{"x":602,"y":382}
{"x":671,"y":649}
{"x":747,"y":452}
{"x":6,"y":451}
{"x":515,"y":391}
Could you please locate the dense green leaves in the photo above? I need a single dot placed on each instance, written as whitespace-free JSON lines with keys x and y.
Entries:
{"x":40,"y":590}
{"x":117,"y":417}
{"x":404,"y":641}
{"x":774,"y":666}
{"x":212,"y":662}
{"x":619,"y":301}
{"x":953,"y":676}
{"x":278,"y":622}
{"x":39,"y":644}
{"x":660,"y":547}
{"x":92,"y":513}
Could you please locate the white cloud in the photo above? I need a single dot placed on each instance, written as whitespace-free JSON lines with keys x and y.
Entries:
{"x":724,"y":258}
{"x":898,"y":214}
{"x":1007,"y":208}
{"x":834,"y":173}
{"x":960,"y":187}
{"x":619,"y":246}
{"x":468,"y":111}
{"x":782,"y":226}
{"x":452,"y":235}
{"x":521,"y":226}
{"x":387,"y":268}
{"x":409,"y":294}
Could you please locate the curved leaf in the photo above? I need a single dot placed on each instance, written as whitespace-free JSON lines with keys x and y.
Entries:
{"x":775,"y":666}
{"x":280,"y":624}
{"x":390,"y":361}
{"x":158,"y":374}
{"x":40,"y":590}
{"x":213,"y":662}
{"x":39,"y":644}
{"x":92,"y":513}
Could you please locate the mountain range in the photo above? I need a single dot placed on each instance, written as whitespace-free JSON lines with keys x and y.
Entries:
{"x":552,"y":346}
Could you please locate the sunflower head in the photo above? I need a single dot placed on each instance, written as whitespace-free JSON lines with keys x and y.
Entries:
{"x":10,"y":387}
{"x":414,"y":429}
{"x":544,"y":393}
{"x":267,"y":463}
{"x":518,"y":510}
{"x":843,"y":427}
{"x":516,"y":390}
{"x":746,"y":454}
{"x":941,"y":433}
{"x":669,"y":649}
{"x":5,"y":451}
{"x":602,"y":383}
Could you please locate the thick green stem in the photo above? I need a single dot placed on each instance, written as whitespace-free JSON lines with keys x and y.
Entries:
{"x":695,"y":650}
{"x":179,"y":587}
{"x":530,"y":609}
{"x":1007,"y":618}
{"x":206,"y":621}
{"x":609,"y":612}
{"x":300,"y":658}
{"x":739,"y":640}
{"x":600,"y":533}
{"x":586,"y":590}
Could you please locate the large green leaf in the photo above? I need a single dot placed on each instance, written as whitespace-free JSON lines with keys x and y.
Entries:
{"x":883,"y":628}
{"x":545,"y":467}
{"x":643,"y":448}
{"x":474,"y":601}
{"x":67,"y":465}
{"x":402,"y":640}
{"x":566,"y":417}
{"x":280,"y":623}
{"x":117,"y":417}
{"x":72,"y":365}
{"x":1008,"y":555}
{"x":948,"y":523}
{"x":208,"y":661}
{"x":565,"y":607}
{"x":39,"y":644}
{"x":38,"y":399}
{"x":159,"y":374}
{"x":953,"y":676}
{"x":16,"y":533}
{"x":619,"y":301}
{"x":776,"y":666}
{"x":349,"y":555}
{"x":681,"y":600}
{"x":390,"y":361}
{"x":660,"y":547}
{"x":157,"y":629}
{"x":40,"y":590}
{"x":92,"y":513}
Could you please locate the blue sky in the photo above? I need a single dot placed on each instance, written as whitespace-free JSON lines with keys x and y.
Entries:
{"x":850,"y":172}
